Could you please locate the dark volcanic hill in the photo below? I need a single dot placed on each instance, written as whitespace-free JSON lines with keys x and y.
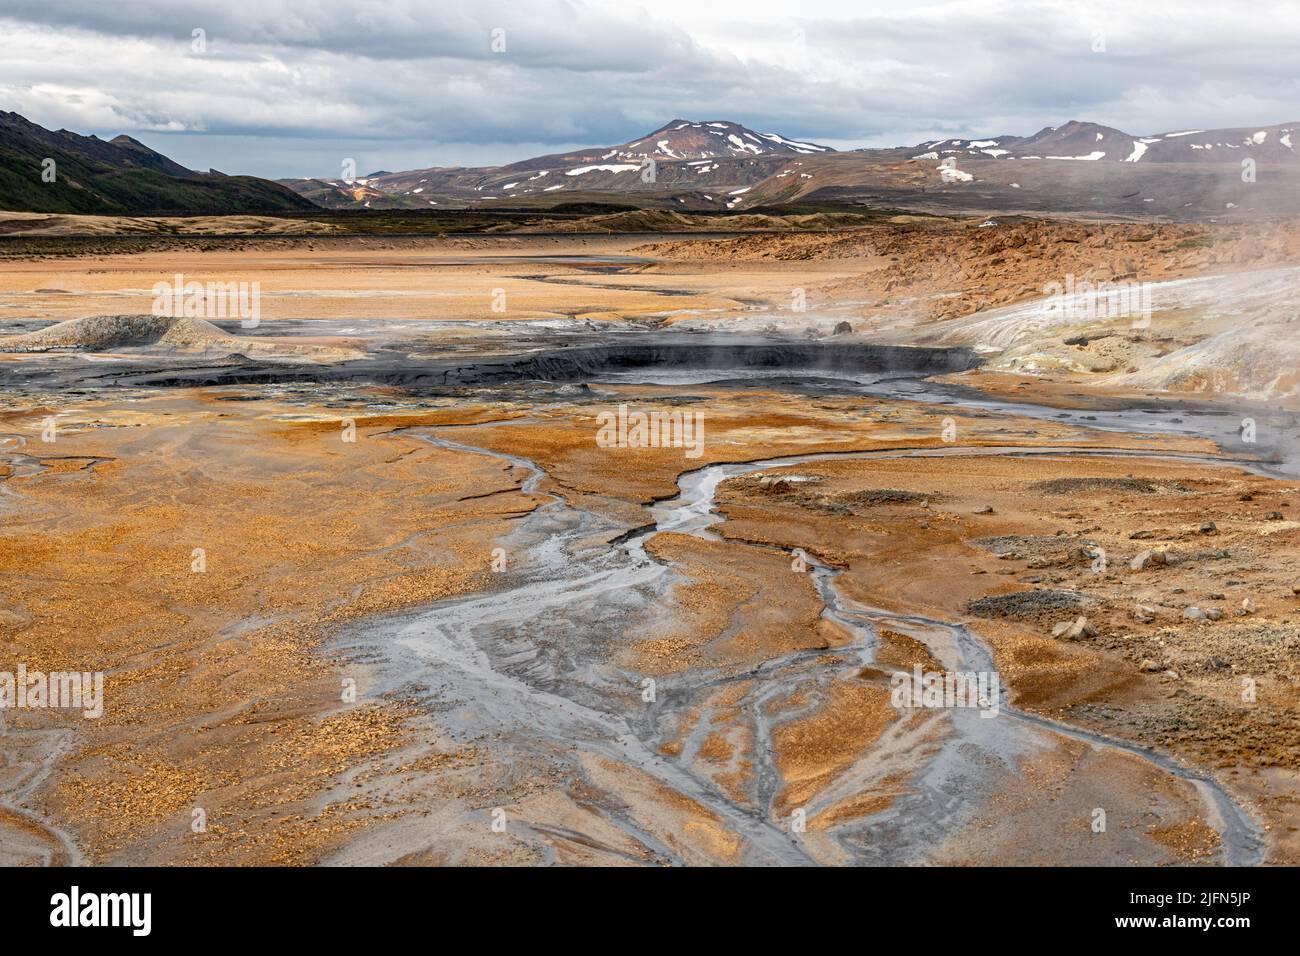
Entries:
{"x":119,"y":176}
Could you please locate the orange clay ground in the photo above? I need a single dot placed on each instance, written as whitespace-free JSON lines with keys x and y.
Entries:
{"x":217,"y":701}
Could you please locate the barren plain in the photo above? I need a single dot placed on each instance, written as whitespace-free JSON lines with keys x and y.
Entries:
{"x":367,"y":586}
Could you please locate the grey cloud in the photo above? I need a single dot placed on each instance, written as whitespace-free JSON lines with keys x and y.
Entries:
{"x":290,"y":80}
{"x":567,"y":34}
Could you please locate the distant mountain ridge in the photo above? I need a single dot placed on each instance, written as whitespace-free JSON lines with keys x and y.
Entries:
{"x":119,"y":176}
{"x":721,"y":165}
{"x":707,"y":165}
{"x":1093,"y":142}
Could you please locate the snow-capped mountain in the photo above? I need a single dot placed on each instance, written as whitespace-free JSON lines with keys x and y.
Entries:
{"x":684,"y":140}
{"x":722,"y":166}
{"x":717,"y":157}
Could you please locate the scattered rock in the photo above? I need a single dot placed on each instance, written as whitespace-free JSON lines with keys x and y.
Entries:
{"x":1149,"y":665}
{"x":984,"y":510}
{"x":1148,"y":559}
{"x":1194,"y":614}
{"x":1214,"y":614}
{"x":1073,"y":630}
{"x":1144,"y":613}
{"x":1247,"y":606}
{"x":1209,"y":527}
{"x":1070,"y":486}
{"x":1273,"y":516}
{"x":1082,"y":556}
{"x":1083,"y":338}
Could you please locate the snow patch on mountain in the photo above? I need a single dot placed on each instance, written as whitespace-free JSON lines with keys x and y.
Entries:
{"x":795,"y":144}
{"x":607,"y":168}
{"x":1139,"y":148}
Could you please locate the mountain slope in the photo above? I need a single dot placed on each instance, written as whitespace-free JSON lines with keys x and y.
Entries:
{"x":118,"y":176}
{"x":1091,"y":141}
{"x":704,"y":159}
{"x":682,"y":140}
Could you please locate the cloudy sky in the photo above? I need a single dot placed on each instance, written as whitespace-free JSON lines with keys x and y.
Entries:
{"x":293,"y":87}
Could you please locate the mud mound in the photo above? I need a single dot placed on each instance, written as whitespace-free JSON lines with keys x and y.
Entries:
{"x":857,"y":502}
{"x":778,"y":485}
{"x":1259,"y":363}
{"x":885,"y":496}
{"x":803,"y":491}
{"x":1033,"y":545}
{"x":100,"y":333}
{"x":1074,"y":485}
{"x":1230,"y":333}
{"x":1027,"y":605}
{"x":939,"y":270}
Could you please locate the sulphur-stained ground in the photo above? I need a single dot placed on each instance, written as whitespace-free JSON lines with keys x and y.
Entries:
{"x":348,"y":621}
